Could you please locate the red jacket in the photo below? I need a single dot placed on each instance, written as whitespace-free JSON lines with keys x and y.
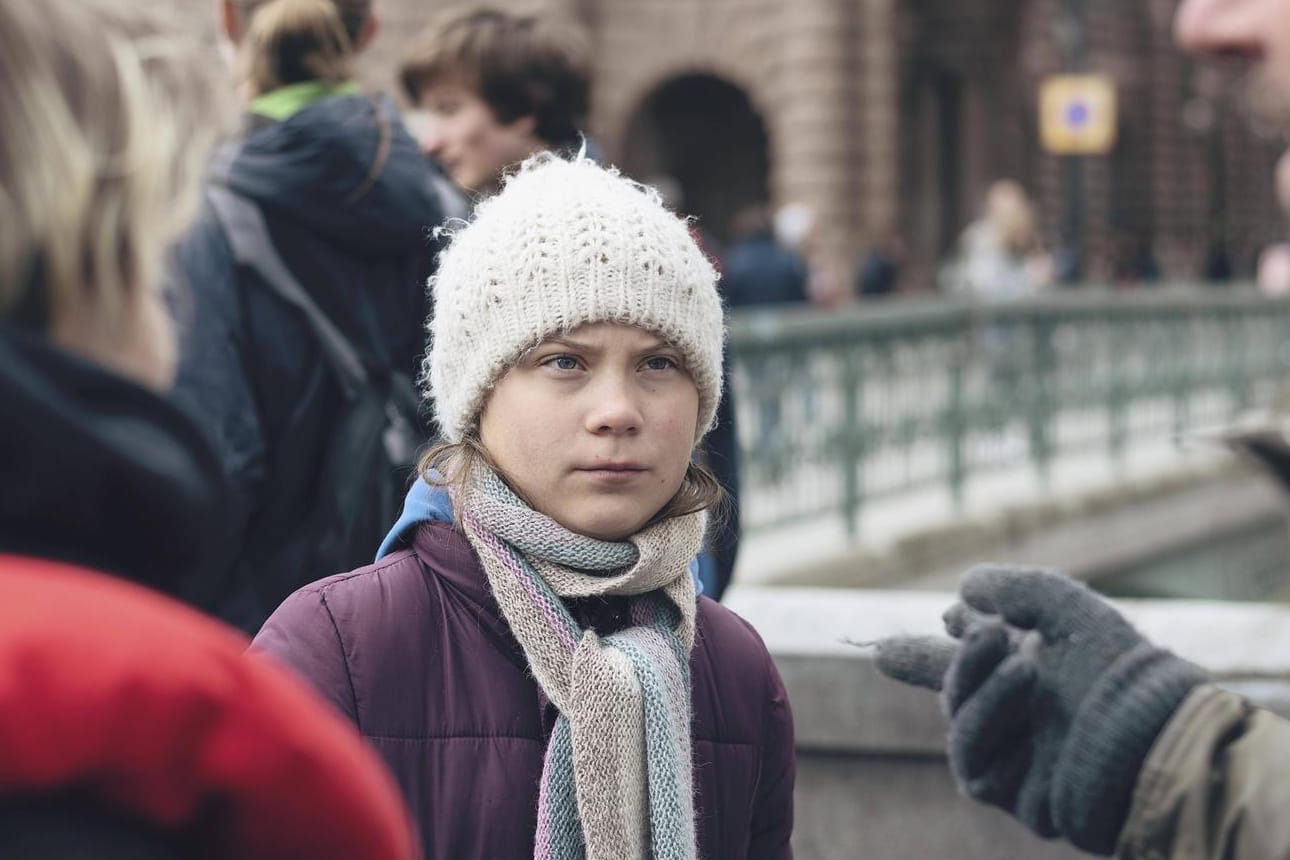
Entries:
{"x":158,"y":713}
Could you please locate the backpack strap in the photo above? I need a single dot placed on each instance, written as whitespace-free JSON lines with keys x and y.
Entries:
{"x":248,"y":236}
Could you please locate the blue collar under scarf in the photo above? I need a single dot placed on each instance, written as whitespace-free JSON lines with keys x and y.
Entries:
{"x":428,"y":503}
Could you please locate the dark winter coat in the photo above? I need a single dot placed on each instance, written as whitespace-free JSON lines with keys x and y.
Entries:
{"x":350,"y":207}
{"x":415,"y":651}
{"x":103,"y":473}
{"x":131,"y":725}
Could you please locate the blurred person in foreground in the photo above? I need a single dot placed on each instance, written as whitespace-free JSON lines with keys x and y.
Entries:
{"x":492,"y":88}
{"x":1065,"y":716}
{"x":347,"y":205}
{"x":131,"y":726}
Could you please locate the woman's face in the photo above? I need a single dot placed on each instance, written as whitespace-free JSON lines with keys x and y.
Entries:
{"x":595,"y":428}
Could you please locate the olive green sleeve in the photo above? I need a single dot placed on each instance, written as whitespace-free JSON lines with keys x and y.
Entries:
{"x":1215,"y":785}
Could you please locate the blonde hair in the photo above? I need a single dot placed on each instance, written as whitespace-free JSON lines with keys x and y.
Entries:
{"x":1009,"y":209}
{"x":292,"y":41}
{"x":107,"y":117}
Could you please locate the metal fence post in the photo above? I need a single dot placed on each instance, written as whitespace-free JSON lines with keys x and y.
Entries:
{"x":1041,"y":413}
{"x":1182,"y":379}
{"x":1237,"y":365}
{"x":852,"y":442}
{"x":955,"y":421}
{"x":1117,"y":389}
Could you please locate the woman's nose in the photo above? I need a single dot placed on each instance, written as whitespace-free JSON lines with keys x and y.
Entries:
{"x":614,"y":409}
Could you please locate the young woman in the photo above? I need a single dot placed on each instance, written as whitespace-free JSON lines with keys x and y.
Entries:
{"x":131,"y":726}
{"x":348,"y":203}
{"x":528,"y":653}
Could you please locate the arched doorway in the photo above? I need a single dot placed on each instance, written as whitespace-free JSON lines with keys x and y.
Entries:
{"x":703,"y":132}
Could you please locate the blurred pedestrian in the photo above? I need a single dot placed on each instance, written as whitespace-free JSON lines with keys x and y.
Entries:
{"x":1217,"y":268}
{"x":999,"y":256}
{"x":758,"y":269}
{"x":796,"y":228}
{"x":529,"y":654}
{"x":879,"y":271}
{"x":999,"y":259}
{"x":1069,"y":719}
{"x":494,"y":87}
{"x":307,"y":268}
{"x":1134,"y":263}
{"x":763,"y":272}
{"x":131,"y":726}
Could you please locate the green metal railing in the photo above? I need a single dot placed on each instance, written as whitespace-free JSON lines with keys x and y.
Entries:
{"x":838,"y":409}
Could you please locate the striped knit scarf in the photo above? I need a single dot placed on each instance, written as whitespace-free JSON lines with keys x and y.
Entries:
{"x":616,"y":779}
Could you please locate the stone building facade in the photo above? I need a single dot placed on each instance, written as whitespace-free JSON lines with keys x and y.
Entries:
{"x":892,"y":117}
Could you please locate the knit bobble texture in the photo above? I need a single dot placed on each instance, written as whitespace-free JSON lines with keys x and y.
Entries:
{"x":563,"y":244}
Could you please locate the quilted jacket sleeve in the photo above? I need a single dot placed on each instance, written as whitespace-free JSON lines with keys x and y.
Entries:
{"x":303,"y":635}
{"x":772,"y":823}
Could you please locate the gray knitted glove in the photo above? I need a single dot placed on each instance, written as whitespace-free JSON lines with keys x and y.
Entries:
{"x":1054,"y":700}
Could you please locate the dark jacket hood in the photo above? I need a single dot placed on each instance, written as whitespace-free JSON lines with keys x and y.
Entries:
{"x":344,"y":167}
{"x":104,"y":473}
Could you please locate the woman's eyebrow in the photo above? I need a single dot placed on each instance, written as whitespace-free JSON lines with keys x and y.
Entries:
{"x":581,"y":346}
{"x":568,"y":343}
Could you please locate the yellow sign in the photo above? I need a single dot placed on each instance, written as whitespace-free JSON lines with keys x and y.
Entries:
{"x":1077,"y":114}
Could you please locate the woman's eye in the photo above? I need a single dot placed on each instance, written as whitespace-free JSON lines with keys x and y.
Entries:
{"x":562,"y":362}
{"x":660,"y":362}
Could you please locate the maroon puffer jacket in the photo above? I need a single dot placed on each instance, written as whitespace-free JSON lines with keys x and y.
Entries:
{"x":415,"y":651}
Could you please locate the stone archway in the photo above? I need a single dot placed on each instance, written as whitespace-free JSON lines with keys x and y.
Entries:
{"x":704,"y":132}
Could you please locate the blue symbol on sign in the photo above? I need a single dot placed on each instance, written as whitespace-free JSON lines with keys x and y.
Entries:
{"x":1078,"y":114}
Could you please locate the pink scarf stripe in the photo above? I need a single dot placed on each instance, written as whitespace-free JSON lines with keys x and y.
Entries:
{"x":562,"y":627}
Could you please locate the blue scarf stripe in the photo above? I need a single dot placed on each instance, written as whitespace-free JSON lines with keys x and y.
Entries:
{"x":661,"y":735}
{"x":566,"y":841}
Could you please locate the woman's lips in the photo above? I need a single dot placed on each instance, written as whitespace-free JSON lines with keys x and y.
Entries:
{"x":614,"y":474}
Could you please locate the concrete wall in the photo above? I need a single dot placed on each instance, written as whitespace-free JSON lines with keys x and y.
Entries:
{"x":872,"y":779}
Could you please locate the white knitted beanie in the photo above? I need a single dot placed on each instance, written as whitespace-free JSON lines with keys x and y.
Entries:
{"x":563,"y":244}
